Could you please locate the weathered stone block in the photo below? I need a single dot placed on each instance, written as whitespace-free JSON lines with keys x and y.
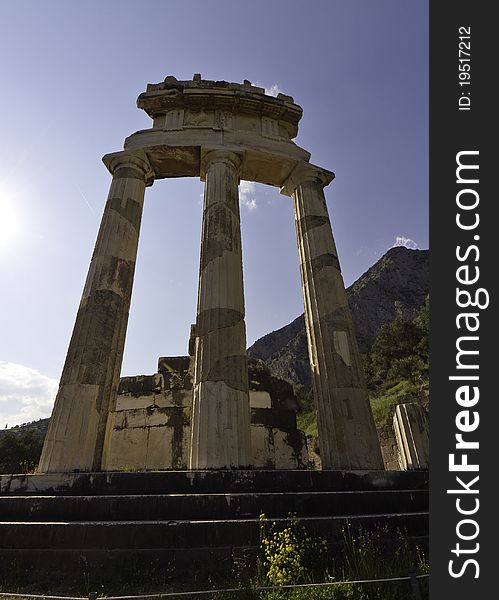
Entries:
{"x":274,"y":417}
{"x":173,"y":363}
{"x":141,"y":384}
{"x":262,"y":447}
{"x":290,"y":449}
{"x":260,"y":399}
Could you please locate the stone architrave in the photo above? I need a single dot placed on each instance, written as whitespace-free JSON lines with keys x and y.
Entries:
{"x":347,"y":434}
{"x":76,"y":436}
{"x":220,"y":434}
{"x":410,"y":424}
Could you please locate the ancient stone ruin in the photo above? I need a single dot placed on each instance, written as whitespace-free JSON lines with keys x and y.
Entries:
{"x":223,"y":133}
{"x":163,"y":478}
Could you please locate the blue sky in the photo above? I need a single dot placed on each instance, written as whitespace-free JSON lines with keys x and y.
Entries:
{"x":71,"y":73}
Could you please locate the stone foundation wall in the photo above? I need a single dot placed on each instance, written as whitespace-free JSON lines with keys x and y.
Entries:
{"x":150,"y":438}
{"x":150,"y":428}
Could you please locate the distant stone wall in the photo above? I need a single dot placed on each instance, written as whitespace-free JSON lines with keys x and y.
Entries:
{"x":389,"y":449}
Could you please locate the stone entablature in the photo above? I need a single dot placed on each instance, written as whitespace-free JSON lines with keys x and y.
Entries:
{"x":175,"y":104}
{"x":191,"y":118}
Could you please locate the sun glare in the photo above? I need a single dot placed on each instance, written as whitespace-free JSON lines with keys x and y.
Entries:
{"x":9,"y":221}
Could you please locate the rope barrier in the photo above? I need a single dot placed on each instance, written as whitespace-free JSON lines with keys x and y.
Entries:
{"x":9,"y":595}
{"x":204,"y":592}
{"x":326,"y":583}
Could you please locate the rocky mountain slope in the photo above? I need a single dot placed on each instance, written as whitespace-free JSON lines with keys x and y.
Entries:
{"x":396,"y":285}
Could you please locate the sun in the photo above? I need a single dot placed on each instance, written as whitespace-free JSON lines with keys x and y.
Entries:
{"x":9,"y":220}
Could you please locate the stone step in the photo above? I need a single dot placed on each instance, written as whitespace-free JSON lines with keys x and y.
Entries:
{"x":127,"y":535}
{"x":163,"y":569}
{"x":171,"y":525}
{"x":208,"y":506}
{"x":209,"y":482}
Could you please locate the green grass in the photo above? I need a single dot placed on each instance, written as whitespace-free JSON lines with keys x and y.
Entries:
{"x":381,"y":407}
{"x":387,"y":395}
{"x":307,"y":422}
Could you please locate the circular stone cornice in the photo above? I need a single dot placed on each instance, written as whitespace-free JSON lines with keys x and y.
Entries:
{"x":218,"y":95}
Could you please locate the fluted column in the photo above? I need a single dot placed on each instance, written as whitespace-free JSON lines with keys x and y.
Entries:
{"x":87,"y":391}
{"x":220,"y":424}
{"x":347,"y":434}
{"x":410,"y":425}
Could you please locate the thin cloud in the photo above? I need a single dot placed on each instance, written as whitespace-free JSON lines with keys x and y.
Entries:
{"x":25,"y":394}
{"x":401,"y":240}
{"x":273,"y":90}
{"x":246,"y":197}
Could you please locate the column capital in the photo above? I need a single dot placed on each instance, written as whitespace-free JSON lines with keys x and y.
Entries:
{"x":132,"y":159}
{"x":303,"y":173}
{"x":209,"y":156}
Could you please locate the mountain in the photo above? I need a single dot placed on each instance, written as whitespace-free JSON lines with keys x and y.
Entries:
{"x":38,"y":427}
{"x":396,"y":285}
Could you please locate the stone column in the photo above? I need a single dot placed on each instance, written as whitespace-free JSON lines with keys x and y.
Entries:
{"x":89,"y":381}
{"x":347,"y":434}
{"x":220,"y":424}
{"x":410,"y":425}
